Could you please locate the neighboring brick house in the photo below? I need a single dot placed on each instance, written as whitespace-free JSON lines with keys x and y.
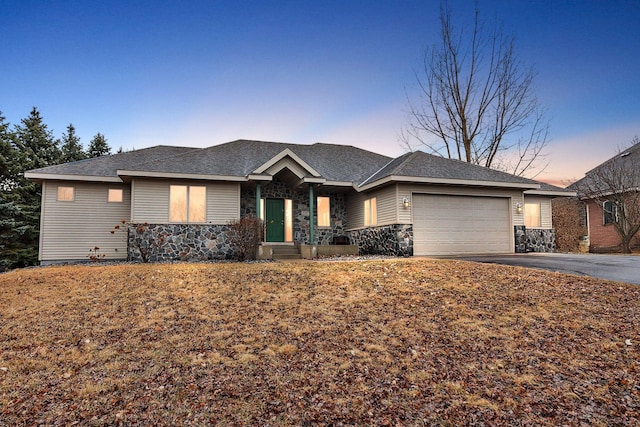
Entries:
{"x":308,"y":196}
{"x":602,"y":200}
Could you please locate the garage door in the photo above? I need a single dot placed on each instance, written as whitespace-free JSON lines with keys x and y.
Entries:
{"x":444,"y":225}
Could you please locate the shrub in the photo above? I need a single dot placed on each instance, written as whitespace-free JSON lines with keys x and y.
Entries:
{"x":244,"y":236}
{"x":569,"y":222}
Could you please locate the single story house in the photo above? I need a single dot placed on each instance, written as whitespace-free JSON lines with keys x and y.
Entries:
{"x":605,"y":190}
{"x":310,"y":197}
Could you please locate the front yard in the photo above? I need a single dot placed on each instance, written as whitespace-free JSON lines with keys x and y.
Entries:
{"x":392,"y":342}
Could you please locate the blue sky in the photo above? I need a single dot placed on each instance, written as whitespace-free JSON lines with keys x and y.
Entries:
{"x":200,"y":73}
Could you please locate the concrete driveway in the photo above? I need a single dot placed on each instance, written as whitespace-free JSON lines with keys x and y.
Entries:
{"x":621,"y":268}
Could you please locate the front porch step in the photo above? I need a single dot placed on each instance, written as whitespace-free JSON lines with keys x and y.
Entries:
{"x":282,"y":252}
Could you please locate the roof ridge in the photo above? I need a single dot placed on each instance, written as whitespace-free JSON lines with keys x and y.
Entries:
{"x":408,"y":154}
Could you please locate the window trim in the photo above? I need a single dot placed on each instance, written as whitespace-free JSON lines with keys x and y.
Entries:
{"x":109,"y":193}
{"x":328,"y":213}
{"x":68,"y":187}
{"x":371,"y":212}
{"x":187,"y":208}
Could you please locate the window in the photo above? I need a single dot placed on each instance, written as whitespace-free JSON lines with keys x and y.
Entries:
{"x":187,"y":203}
{"x":609,"y":212}
{"x":370,"y":212}
{"x":324,"y":212}
{"x":532,"y":214}
{"x":66,"y":194}
{"x":115,"y":195}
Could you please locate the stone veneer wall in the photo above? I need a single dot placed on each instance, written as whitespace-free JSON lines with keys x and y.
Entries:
{"x":182,"y":242}
{"x":278,"y":190}
{"x":394,"y":240}
{"x":534,"y":239}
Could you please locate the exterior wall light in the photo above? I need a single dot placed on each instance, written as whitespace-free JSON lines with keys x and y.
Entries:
{"x":519,"y":207}
{"x":406,"y":202}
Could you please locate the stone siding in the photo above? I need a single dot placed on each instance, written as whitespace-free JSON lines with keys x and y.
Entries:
{"x":179,"y":242}
{"x":534,"y":239}
{"x":394,"y":240}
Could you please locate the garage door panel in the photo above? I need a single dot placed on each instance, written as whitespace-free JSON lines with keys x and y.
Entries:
{"x":461,"y":224}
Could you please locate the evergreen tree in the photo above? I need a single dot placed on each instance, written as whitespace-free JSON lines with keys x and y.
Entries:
{"x":36,"y":148}
{"x":98,"y":146}
{"x":35,"y":142}
{"x":17,"y":238}
{"x":8,"y":158}
{"x":71,"y":147}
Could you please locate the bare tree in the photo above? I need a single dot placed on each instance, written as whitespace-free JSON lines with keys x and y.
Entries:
{"x":615,"y":185}
{"x":475,"y":101}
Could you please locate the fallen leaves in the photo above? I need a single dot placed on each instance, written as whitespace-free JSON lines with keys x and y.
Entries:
{"x":393,"y":342}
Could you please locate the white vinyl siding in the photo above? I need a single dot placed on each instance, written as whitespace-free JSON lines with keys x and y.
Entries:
{"x":150,"y":201}
{"x":387,"y":204}
{"x":70,"y":229}
{"x":545,"y":209}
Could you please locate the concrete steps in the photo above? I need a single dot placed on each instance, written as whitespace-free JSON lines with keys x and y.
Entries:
{"x":285,"y":252}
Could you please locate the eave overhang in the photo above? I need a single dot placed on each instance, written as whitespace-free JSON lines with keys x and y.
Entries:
{"x":551,"y":193}
{"x":35,"y":176}
{"x":447,"y":181}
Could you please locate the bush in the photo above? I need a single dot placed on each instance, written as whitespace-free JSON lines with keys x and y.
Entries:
{"x":569,"y":222}
{"x":244,"y":236}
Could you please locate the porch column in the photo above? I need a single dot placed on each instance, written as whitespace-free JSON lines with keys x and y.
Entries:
{"x":258,"y":200}
{"x":312,"y":225}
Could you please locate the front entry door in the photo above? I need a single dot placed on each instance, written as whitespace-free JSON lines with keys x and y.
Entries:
{"x":274,"y":219}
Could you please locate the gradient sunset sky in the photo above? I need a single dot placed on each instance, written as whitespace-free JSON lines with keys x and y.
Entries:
{"x":200,"y":73}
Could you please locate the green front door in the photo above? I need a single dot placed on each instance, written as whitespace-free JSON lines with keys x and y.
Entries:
{"x":274,"y":219}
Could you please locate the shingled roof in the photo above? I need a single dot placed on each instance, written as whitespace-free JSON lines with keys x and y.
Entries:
{"x":421,"y":164}
{"x":627,"y":161}
{"x":242,"y":158}
{"x":108,"y":166}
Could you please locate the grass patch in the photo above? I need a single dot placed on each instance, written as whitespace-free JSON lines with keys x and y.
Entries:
{"x":393,"y":342}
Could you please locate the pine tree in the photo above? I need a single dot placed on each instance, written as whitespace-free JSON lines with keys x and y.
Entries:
{"x":36,"y":143}
{"x":98,"y":146}
{"x":36,"y":148}
{"x":71,"y":147}
{"x":8,"y":157}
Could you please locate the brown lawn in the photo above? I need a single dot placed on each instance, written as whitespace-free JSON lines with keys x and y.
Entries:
{"x":391,"y":342}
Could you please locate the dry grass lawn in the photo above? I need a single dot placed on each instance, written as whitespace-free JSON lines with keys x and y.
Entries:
{"x":393,"y":342}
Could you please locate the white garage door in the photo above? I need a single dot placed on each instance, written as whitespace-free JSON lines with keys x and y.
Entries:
{"x":444,"y":225}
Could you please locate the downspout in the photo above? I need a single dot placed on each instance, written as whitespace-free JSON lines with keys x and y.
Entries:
{"x":312,"y":225}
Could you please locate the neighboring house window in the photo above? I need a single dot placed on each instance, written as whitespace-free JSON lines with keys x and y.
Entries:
{"x":609,"y":212}
{"x":370,"y":212}
{"x":115,"y":195}
{"x":187,"y":203}
{"x":532,"y":214}
{"x":324,"y":212}
{"x":66,"y":194}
